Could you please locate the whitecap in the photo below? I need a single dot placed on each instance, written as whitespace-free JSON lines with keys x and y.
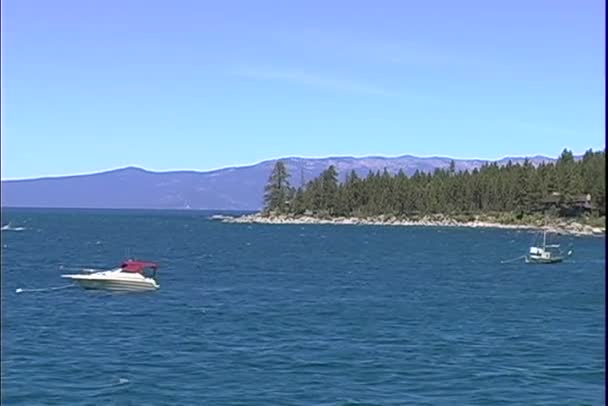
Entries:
{"x":50,"y":289}
{"x":8,"y":227}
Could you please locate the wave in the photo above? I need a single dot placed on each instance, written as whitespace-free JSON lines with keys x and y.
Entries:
{"x":24,"y":290}
{"x":8,"y":227}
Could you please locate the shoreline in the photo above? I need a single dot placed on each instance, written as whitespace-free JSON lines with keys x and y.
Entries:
{"x":563,"y":227}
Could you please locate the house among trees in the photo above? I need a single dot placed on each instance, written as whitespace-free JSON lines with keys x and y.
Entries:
{"x":580,"y":204}
{"x":551,"y":201}
{"x":583,"y":202}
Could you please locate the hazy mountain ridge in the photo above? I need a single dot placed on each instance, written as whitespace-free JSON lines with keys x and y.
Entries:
{"x":233,"y":188}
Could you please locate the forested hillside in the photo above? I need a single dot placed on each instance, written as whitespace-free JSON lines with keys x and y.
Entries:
{"x":567,"y":187}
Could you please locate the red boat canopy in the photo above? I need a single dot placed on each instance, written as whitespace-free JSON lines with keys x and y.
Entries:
{"x":137,"y":266}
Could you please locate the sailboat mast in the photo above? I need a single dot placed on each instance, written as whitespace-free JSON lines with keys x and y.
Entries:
{"x":544,"y":239}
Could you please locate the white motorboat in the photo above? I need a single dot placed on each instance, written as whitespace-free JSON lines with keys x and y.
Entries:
{"x":132,"y":276}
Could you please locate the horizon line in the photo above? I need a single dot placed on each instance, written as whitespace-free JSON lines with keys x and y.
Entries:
{"x":247,"y":165}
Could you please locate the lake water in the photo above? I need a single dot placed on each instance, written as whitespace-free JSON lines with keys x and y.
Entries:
{"x":296,"y":315}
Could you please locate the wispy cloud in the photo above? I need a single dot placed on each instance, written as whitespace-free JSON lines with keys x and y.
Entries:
{"x":311,"y":79}
{"x":543,"y":129}
{"x":380,"y":50}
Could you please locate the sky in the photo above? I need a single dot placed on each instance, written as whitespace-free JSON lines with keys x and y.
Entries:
{"x":164,"y":85}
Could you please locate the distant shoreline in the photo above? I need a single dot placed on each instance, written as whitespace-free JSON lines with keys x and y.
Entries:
{"x":561,"y":227}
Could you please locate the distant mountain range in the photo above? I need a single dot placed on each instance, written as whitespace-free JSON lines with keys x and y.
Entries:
{"x":238,"y":188}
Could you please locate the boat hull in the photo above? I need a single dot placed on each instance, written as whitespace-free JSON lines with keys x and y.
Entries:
{"x":114,"y":281}
{"x":532,"y":260}
{"x":116,"y":286}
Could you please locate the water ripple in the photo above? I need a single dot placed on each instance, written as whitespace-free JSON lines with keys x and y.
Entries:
{"x":297,"y":315}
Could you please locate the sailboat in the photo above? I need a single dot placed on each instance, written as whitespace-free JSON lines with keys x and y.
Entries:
{"x":542,"y":253}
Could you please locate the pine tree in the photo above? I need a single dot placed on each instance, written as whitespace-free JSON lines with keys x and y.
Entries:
{"x":278,"y":191}
{"x":329,"y":189}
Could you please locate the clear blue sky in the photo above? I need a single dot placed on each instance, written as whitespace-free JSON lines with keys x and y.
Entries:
{"x":99,"y":84}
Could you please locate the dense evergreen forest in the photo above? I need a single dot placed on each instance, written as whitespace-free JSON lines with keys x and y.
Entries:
{"x":561,"y":189}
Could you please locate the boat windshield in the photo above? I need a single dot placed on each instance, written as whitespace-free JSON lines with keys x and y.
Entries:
{"x":147,"y":269}
{"x":149,"y":272}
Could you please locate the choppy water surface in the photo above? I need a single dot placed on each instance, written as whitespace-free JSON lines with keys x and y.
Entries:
{"x":298,"y":315}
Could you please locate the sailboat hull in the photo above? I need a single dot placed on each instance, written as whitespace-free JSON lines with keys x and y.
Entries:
{"x":532,"y":260}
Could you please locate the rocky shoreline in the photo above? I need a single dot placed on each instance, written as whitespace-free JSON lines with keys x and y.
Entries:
{"x":562,"y":227}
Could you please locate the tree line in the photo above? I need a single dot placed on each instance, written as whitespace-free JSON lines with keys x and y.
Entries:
{"x":514,"y":188}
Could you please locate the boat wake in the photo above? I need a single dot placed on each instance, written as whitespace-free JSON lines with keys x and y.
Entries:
{"x":8,"y":227}
{"x":508,"y":261}
{"x":22,"y":290}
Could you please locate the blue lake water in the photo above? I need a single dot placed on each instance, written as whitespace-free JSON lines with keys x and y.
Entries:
{"x":297,"y":315}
